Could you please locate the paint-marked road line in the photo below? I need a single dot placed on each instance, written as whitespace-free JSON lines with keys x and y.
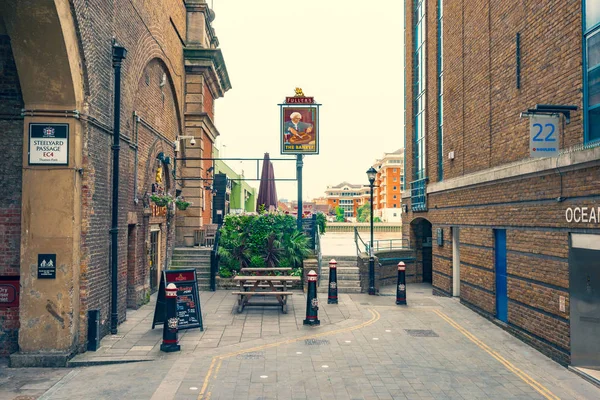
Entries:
{"x":375,"y":316}
{"x":526,"y":378}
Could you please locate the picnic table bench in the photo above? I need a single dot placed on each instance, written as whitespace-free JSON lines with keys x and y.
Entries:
{"x":264,"y":283}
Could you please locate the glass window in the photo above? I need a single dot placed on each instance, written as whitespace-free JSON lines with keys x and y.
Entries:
{"x":419,"y":85}
{"x":592,"y":80}
{"x":592,"y":13}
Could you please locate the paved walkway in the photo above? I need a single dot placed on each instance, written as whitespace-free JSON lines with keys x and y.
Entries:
{"x":366,"y":348}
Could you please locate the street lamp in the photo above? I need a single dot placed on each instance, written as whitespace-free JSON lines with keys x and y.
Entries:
{"x":371,"y":174}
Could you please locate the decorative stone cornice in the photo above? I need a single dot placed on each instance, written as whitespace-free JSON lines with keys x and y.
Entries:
{"x":202,"y":120}
{"x":210,"y":64}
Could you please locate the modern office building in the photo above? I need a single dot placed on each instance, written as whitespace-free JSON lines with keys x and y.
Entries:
{"x":502,"y":164}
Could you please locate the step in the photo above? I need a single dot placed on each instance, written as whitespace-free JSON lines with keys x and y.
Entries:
{"x":192,"y":251}
{"x":185,"y":257}
{"x":338,"y":258}
{"x":189,"y":264}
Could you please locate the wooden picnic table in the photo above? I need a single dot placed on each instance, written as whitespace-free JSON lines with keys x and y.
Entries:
{"x":253,"y":285}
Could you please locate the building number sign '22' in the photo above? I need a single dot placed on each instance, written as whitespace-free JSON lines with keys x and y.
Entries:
{"x":543,"y":136}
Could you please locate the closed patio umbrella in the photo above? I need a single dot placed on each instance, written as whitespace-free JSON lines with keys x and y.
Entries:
{"x":267,"y":193}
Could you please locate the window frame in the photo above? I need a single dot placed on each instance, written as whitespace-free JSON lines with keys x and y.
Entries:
{"x":587,"y":33}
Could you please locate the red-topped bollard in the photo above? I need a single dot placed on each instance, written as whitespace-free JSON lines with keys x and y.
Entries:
{"x":332,"y":296}
{"x":170,"y":326}
{"x":401,"y":289}
{"x":312,"y":302}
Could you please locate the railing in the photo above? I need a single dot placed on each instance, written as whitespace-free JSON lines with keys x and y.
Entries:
{"x":418,"y":195}
{"x":358,"y":239}
{"x":391,"y":244}
{"x":380,"y":244}
{"x":318,"y":253}
{"x":214,"y":261}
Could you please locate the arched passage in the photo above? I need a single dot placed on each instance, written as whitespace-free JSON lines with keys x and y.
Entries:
{"x":45,"y":49}
{"x":420,"y":235}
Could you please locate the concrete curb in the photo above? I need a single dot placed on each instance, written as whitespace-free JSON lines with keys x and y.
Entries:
{"x":107,"y":361}
{"x":585,"y":376}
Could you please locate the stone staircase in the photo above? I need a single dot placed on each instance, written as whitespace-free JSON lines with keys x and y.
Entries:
{"x":194,"y":257}
{"x":348,"y":277}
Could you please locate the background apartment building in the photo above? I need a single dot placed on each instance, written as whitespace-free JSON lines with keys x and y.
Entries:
{"x":513,"y":236}
{"x":387,"y":198}
{"x":347,"y":196}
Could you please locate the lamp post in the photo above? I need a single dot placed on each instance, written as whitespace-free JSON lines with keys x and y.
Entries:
{"x":371,"y":174}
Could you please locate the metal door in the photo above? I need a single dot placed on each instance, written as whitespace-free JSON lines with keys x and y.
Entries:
{"x":501,"y":285}
{"x":584,"y":291}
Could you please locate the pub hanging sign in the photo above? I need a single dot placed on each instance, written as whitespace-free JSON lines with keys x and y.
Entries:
{"x":48,"y":144}
{"x":299,"y":124}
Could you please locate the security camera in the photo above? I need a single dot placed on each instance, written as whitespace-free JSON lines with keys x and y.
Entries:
{"x":193,"y":142}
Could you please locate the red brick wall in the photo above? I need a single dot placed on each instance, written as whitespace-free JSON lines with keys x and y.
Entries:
{"x":149,"y":32}
{"x":483,"y":128}
{"x":11,"y":146}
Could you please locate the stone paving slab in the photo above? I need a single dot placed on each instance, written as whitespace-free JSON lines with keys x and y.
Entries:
{"x":373,"y":353}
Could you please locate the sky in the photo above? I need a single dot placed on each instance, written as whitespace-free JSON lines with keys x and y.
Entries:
{"x":347,"y":54}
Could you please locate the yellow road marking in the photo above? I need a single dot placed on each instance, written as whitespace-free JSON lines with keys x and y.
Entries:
{"x":374,"y":318}
{"x":526,"y":378}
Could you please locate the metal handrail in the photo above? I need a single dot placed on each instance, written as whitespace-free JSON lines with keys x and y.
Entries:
{"x":356,"y":239}
{"x":390,"y":244}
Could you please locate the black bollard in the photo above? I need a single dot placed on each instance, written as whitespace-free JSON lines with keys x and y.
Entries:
{"x":401,"y":289}
{"x":312,"y":302}
{"x":332,"y":297}
{"x":170,"y":326}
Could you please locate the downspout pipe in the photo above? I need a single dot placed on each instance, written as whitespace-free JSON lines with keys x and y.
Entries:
{"x":118,"y":53}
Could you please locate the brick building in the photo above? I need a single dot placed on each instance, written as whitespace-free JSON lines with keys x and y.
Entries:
{"x":388,"y":182}
{"x":516,"y":238}
{"x":347,"y":196}
{"x":57,"y":76}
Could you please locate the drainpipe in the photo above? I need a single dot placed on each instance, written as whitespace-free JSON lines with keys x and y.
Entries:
{"x":136,"y":121}
{"x":118,"y":53}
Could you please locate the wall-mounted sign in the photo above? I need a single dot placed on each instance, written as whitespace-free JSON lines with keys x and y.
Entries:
{"x":9,"y":291}
{"x":299,"y":125}
{"x":46,"y":266}
{"x":543,"y":136}
{"x":48,"y":144}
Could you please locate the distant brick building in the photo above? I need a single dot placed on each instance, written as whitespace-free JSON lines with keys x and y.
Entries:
{"x":388,"y":184}
{"x":57,"y":70}
{"x":516,"y":238}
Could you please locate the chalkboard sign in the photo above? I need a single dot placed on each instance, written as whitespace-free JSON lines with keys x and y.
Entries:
{"x":309,"y":226}
{"x":188,"y":299}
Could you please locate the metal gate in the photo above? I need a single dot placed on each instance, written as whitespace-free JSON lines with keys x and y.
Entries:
{"x":584,"y":292}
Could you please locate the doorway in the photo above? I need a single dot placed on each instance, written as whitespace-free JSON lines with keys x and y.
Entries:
{"x":455,"y":262}
{"x":501,"y":282}
{"x":584,"y":299}
{"x":154,"y":258}
{"x":421,"y":237}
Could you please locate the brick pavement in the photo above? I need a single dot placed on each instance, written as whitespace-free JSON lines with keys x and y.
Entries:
{"x":362,"y":350}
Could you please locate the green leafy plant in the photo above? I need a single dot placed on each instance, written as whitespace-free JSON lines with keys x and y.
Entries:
{"x":270,"y":237}
{"x":339,"y":214}
{"x":322,"y":222}
{"x":363,"y":213}
{"x":161,"y":200}
{"x":257,"y":262}
{"x":376,"y":219}
{"x":225,"y":272}
{"x":272,"y":251}
{"x":181,"y":204}
{"x":297,"y":272}
{"x":297,"y":249}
